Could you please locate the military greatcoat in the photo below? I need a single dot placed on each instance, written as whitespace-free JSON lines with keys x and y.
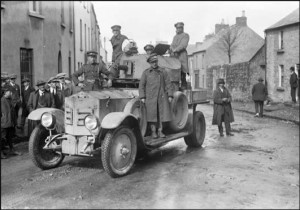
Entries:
{"x":92,"y":76}
{"x":222,"y":108}
{"x":155,"y":86}
{"x":117,"y":42}
{"x":178,"y":46}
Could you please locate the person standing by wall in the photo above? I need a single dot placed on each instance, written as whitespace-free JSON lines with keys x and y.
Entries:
{"x":293,"y":83}
{"x":8,"y":116}
{"x":178,"y":49}
{"x":26,"y":90}
{"x":155,"y":90}
{"x":259,"y":95}
{"x":222,"y":108}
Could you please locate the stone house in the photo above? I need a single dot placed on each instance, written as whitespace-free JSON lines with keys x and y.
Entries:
{"x":282,"y":52}
{"x":212,"y":52}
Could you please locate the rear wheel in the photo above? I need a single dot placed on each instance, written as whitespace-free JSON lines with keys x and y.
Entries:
{"x":119,"y":149}
{"x":196,"y":138}
{"x":179,"y":110}
{"x":44,"y":159}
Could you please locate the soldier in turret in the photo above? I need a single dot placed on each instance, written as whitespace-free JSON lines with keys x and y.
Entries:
{"x":92,"y":74}
{"x":178,"y":49}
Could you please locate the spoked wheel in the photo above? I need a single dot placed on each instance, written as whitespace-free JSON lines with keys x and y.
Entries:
{"x":196,"y":138}
{"x":44,"y":159}
{"x":119,"y":150}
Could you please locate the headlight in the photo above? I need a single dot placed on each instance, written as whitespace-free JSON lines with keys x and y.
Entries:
{"x":90,"y":122}
{"x":48,"y":120}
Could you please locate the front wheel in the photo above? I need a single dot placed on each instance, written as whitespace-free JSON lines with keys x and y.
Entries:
{"x":196,"y":138}
{"x":44,"y":159}
{"x":119,"y":149}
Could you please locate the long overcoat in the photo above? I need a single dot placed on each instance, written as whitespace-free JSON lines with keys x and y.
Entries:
{"x":259,"y":92}
{"x":7,"y":113}
{"x":178,"y":46}
{"x":25,"y":97}
{"x":34,"y":99}
{"x":16,"y":95}
{"x":155,"y":87}
{"x":293,"y":80}
{"x":222,"y":108}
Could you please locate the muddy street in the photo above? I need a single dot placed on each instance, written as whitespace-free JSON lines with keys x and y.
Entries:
{"x":258,"y":167}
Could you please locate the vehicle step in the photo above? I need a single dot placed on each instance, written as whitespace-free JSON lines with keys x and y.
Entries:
{"x":152,"y":142}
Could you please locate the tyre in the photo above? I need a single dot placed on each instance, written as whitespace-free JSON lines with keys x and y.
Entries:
{"x":119,"y":149}
{"x":196,"y":138}
{"x":44,"y":159}
{"x":138,"y":109}
{"x":179,"y":111}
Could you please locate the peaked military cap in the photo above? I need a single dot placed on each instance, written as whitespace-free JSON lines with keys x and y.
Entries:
{"x":149,"y":47}
{"x":152,"y":58}
{"x":40,"y":82}
{"x":91,"y":53}
{"x":221,"y":81}
{"x":116,"y":28}
{"x":179,"y":24}
{"x":25,"y":80}
{"x":13,"y":76}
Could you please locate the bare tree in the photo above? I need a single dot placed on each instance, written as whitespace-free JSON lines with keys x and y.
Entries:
{"x":228,"y":41}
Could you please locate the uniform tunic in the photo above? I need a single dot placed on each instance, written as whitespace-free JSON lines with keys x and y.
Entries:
{"x":92,"y":76}
{"x":117,"y":42}
{"x":155,"y":87}
{"x":178,"y":46}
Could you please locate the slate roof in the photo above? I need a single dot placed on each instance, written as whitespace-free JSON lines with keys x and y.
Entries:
{"x":287,"y":20}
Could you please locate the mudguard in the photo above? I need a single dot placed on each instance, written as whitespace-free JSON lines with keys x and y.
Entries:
{"x":114,"y":119}
{"x":59,"y":115}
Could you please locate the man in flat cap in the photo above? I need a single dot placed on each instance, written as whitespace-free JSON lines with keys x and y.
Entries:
{"x":26,"y":90}
{"x":155,"y":90}
{"x":4,"y":81}
{"x":92,"y":74}
{"x":222,"y":108}
{"x":117,"y":45}
{"x":7,"y":122}
{"x":178,"y":49}
{"x":56,"y":92}
{"x":149,"y":49}
{"x":259,"y":95}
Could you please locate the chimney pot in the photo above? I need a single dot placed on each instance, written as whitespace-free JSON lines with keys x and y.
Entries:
{"x":222,"y":21}
{"x":243,"y":13}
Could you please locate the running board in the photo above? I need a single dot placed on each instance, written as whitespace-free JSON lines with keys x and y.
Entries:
{"x":153,"y":142}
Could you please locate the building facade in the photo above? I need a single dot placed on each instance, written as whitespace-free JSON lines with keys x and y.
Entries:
{"x":282,"y":52}
{"x":37,"y":38}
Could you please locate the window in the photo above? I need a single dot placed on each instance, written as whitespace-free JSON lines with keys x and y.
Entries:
{"x":196,"y":80}
{"x":281,"y":40}
{"x":202,"y":63}
{"x":87,"y":7}
{"x":85,"y":37}
{"x":26,"y":63}
{"x":80,"y":34}
{"x":34,"y":6}
{"x":70,"y":69}
{"x":59,"y":69}
{"x":203,"y":81}
{"x":71,"y":16}
{"x":62,"y":12}
{"x":89,"y":38}
{"x":281,"y":75}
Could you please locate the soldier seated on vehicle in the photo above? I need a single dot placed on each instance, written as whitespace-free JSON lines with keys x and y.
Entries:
{"x":92,"y":74}
{"x":149,"y":49}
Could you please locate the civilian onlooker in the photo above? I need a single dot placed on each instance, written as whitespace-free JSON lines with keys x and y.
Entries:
{"x":69,"y":88}
{"x":26,"y":89}
{"x":55,"y":92}
{"x":8,"y":116}
{"x":15,"y":98}
{"x":259,"y":95}
{"x":4,"y":81}
{"x":222,"y":108}
{"x":293,"y":83}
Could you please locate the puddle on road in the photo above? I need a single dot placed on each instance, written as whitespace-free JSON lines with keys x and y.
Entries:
{"x":249,"y":148}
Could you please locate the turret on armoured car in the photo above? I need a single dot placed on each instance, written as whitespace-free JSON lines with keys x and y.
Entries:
{"x":113,"y":121}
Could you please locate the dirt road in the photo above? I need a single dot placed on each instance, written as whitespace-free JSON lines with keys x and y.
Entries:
{"x":256,"y":168}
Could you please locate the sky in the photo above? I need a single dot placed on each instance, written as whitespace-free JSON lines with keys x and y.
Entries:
{"x":150,"y":21}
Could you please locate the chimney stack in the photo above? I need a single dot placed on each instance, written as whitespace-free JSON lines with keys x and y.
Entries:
{"x":241,"y":21}
{"x":219,"y":27}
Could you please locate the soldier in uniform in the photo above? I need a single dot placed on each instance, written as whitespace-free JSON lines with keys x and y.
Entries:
{"x":178,"y":49}
{"x":155,"y":90}
{"x":117,"y":42}
{"x":92,"y":74}
{"x":149,"y":49}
